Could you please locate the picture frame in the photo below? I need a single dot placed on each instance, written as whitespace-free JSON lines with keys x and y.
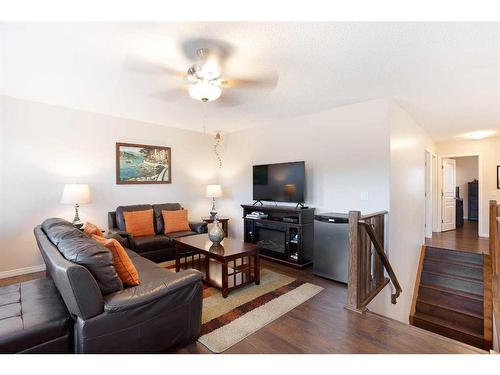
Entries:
{"x":143,"y":164}
{"x":498,"y":176}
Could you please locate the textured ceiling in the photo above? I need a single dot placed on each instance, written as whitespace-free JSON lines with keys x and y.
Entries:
{"x":446,"y":75}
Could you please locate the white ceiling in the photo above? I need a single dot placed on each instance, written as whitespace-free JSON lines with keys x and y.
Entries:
{"x":447,"y":75}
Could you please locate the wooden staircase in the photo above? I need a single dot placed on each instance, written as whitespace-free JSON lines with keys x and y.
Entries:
{"x":448,"y":296}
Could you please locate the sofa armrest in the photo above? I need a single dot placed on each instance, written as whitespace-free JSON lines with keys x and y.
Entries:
{"x":122,"y":233}
{"x":145,"y":293}
{"x":198,"y":227}
{"x":124,"y":238}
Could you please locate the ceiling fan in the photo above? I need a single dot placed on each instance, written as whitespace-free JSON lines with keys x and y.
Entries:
{"x":205,"y":80}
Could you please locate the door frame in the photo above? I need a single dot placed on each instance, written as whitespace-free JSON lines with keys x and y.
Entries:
{"x":430,"y":191}
{"x":480,"y":192}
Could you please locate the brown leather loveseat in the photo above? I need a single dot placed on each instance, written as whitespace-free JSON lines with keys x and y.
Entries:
{"x":159,"y":247}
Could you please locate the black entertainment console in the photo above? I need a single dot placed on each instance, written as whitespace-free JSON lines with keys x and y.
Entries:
{"x":285,"y":235}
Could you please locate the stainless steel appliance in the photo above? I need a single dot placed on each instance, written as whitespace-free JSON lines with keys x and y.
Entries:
{"x":331,"y":242}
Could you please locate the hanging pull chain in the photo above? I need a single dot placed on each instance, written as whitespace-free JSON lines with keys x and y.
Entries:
{"x":216,"y":151}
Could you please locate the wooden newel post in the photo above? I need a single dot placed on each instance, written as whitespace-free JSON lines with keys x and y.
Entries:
{"x":494,"y":244}
{"x":353,"y":272}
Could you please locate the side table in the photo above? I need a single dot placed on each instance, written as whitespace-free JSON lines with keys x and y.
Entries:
{"x":223,"y":220}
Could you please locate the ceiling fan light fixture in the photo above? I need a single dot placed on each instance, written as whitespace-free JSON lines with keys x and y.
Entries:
{"x":205,"y":91}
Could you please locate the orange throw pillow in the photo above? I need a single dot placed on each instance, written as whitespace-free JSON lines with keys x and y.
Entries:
{"x":124,"y":267}
{"x":139,"y":223}
{"x":175,"y":221}
{"x":91,"y":229}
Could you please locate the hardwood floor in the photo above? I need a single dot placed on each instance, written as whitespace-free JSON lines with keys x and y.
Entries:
{"x":465,"y":238}
{"x":20,"y":279}
{"x":322,"y":325}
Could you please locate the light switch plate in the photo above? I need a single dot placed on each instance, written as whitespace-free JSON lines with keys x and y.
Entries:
{"x":364,"y":196}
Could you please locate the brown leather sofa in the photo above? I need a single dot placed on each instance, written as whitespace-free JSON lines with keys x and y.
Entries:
{"x":163,"y":311}
{"x":158,"y":248}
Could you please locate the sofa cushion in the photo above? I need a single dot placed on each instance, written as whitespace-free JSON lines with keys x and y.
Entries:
{"x":139,"y":223}
{"x":123,"y":265}
{"x":32,"y":314}
{"x":158,"y":208}
{"x":151,"y":243}
{"x":79,"y":248}
{"x":120,"y":221}
{"x":91,"y":229}
{"x":176,"y":221}
{"x":181,"y":234}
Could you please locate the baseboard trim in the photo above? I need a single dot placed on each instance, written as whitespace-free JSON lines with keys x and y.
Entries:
{"x":22,"y":271}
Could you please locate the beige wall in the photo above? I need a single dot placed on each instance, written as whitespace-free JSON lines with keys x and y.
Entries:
{"x":488,"y":151}
{"x":467,"y":171}
{"x":346,"y":152}
{"x":408,"y":143}
{"x":42,"y":147}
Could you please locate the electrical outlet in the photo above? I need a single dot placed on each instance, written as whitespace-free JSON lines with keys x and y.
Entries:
{"x":364,"y":196}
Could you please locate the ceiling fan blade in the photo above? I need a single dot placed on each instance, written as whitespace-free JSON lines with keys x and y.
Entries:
{"x":151,"y":67}
{"x":269,"y":81}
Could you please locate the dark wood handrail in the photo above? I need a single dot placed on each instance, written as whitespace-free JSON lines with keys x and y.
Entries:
{"x":385,"y":261}
{"x":368,"y":261}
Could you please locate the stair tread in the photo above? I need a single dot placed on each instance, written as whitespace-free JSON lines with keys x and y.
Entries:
{"x":462,"y":256}
{"x":454,"y":269}
{"x":445,"y":324}
{"x":444,"y":306}
{"x":474,"y":296}
{"x":454,"y":262}
{"x":452,"y":276}
{"x":459,"y":253}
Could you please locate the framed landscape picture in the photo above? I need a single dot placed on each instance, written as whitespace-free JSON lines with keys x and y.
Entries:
{"x":143,"y":164}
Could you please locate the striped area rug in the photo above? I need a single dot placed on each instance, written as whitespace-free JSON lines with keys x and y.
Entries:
{"x":226,"y":321}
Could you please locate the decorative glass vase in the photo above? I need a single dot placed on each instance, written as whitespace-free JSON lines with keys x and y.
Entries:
{"x":216,"y":234}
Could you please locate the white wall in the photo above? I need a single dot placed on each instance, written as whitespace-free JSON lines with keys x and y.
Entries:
{"x":408,"y":142}
{"x":373,"y":147}
{"x":42,"y":147}
{"x":346,"y":151}
{"x":488,"y":151}
{"x":467,"y":169}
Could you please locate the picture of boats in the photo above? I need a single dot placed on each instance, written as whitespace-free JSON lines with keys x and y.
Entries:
{"x":142,"y":164}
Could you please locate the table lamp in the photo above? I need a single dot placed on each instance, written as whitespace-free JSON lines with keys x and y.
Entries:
{"x":213,"y":191}
{"x":76,"y":194}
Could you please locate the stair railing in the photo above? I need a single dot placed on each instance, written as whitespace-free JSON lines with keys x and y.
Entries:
{"x":491,"y":281}
{"x":368,"y":261}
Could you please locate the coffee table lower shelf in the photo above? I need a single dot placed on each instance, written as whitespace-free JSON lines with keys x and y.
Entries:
{"x":226,"y":275}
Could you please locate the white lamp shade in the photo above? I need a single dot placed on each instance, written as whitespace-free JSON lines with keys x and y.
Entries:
{"x":214,"y":191}
{"x":76,"y":194}
{"x":204,"y":91}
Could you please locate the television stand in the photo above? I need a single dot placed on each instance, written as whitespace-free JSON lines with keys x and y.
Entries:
{"x":300,"y":205}
{"x":257,"y":201}
{"x":285,"y":235}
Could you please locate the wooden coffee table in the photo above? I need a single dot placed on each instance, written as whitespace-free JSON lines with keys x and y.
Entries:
{"x":229,"y":266}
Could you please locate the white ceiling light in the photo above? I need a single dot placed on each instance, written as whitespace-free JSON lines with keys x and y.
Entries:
{"x":480,"y":134}
{"x":204,"y":91}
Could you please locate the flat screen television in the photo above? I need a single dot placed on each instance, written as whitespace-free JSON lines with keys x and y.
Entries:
{"x":282,"y":182}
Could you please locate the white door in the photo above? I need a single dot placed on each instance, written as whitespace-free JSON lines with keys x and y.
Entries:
{"x":448,"y":195}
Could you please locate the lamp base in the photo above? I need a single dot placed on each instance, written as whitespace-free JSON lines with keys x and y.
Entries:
{"x":213,"y":211}
{"x":76,"y":220}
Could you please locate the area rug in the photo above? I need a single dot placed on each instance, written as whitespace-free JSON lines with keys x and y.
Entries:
{"x":227,"y":321}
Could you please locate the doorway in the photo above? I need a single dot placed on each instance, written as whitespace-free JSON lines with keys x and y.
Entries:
{"x":459,"y":204}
